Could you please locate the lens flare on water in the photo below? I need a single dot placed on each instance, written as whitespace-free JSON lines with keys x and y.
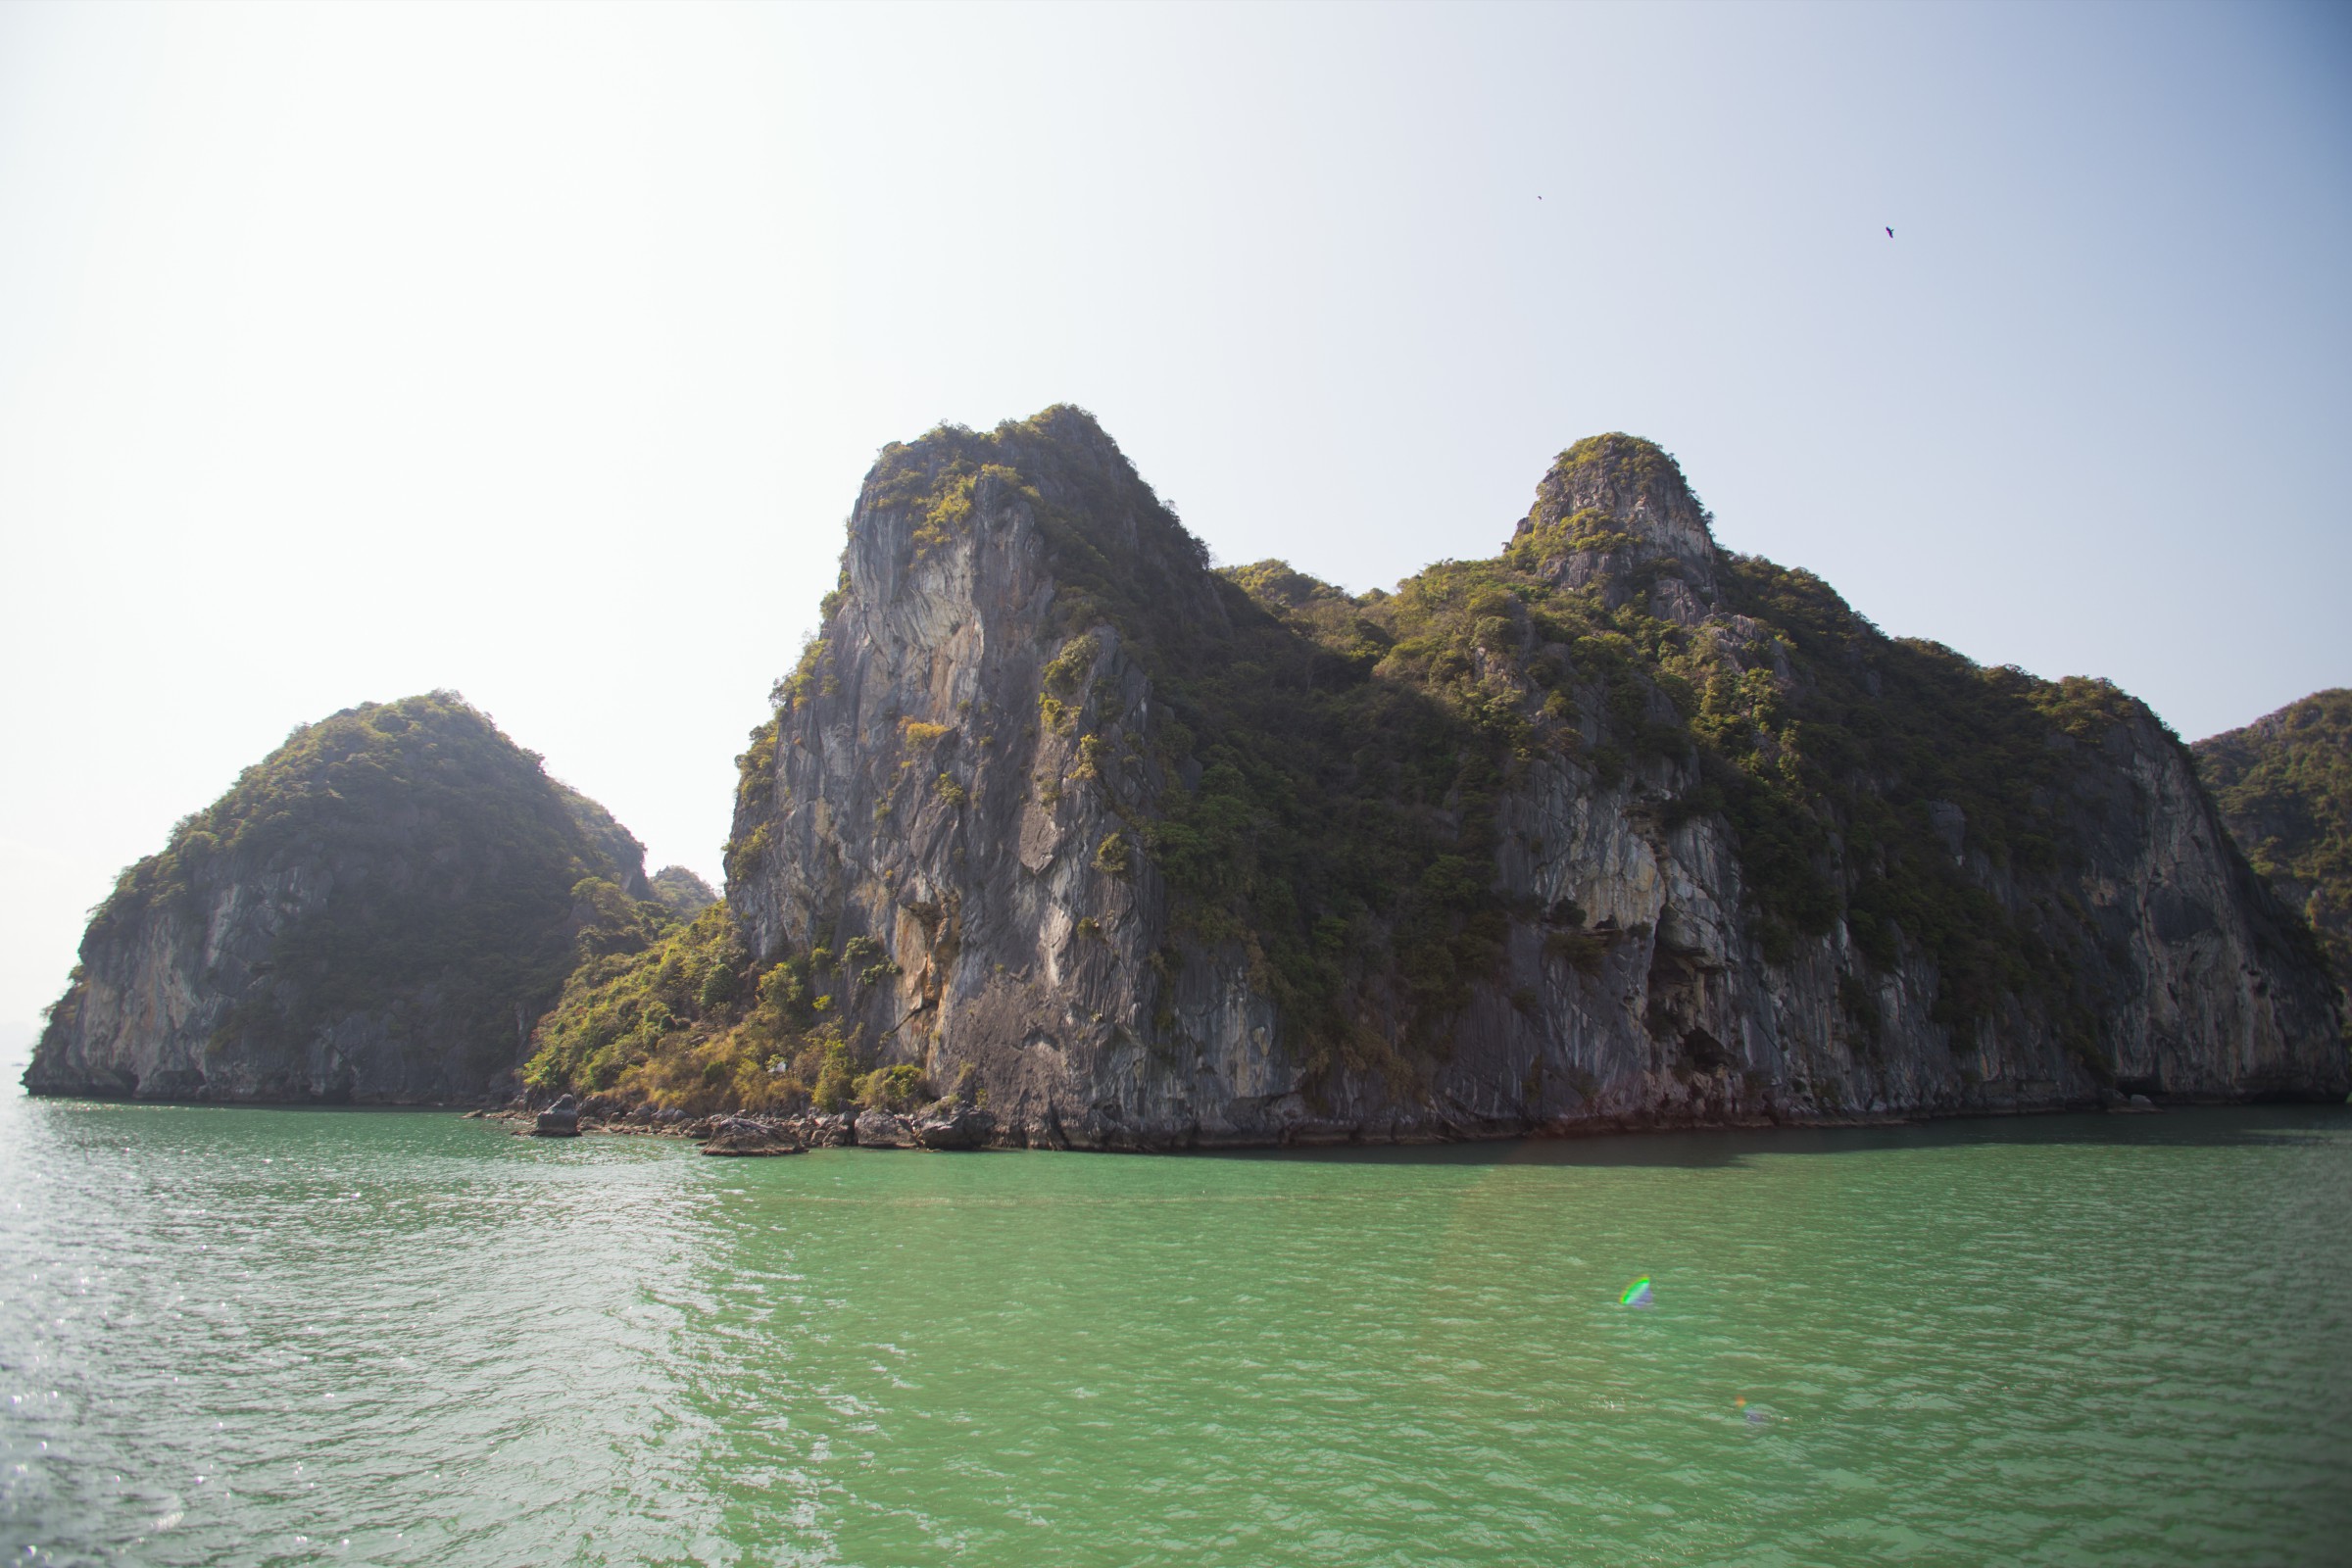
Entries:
{"x":1637,"y":1294}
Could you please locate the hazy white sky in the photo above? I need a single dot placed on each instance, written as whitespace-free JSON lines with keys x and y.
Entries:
{"x":347,"y":352}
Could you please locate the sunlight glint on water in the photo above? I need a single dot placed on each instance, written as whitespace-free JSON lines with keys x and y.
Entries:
{"x":284,"y":1337}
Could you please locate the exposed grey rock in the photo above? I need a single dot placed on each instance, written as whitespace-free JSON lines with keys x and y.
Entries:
{"x":1055,"y":981}
{"x":953,"y":1125}
{"x":741,"y":1135}
{"x":558,"y":1120}
{"x":880,"y":1129}
{"x":295,"y":942}
{"x":827,"y":1131}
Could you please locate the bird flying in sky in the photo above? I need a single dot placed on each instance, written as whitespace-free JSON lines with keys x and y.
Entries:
{"x":1890,"y":233}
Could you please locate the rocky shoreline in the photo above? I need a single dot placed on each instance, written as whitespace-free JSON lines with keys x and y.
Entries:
{"x":944,"y":1125}
{"x":953,"y":1126}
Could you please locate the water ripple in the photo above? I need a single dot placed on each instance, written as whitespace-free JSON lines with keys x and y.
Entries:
{"x":295,"y":1337}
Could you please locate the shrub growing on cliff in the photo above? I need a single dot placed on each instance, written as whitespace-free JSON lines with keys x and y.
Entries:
{"x":694,"y":1023}
{"x":899,"y":1089}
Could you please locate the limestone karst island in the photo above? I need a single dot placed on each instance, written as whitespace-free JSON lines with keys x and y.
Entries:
{"x":1059,"y":836}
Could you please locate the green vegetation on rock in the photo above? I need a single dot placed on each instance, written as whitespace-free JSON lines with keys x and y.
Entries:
{"x":1338,"y":829}
{"x":1329,"y":766}
{"x":2284,"y":786}
{"x":1828,"y":748}
{"x":685,"y":1017}
{"x":429,"y":875}
{"x":681,"y":892}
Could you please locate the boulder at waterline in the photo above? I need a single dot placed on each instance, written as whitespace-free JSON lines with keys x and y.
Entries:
{"x":740,"y":1134}
{"x":882,"y":1129}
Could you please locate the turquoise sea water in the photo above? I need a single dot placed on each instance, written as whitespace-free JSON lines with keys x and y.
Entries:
{"x":289,"y":1337}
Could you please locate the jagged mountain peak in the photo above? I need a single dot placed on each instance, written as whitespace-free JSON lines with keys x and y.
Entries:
{"x":1062,"y":451}
{"x":1048,"y":505}
{"x":1609,"y":828}
{"x":1624,"y":497}
{"x":1627,"y":476}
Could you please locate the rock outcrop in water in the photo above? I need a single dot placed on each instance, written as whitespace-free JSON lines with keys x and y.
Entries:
{"x":1616,"y":828}
{"x":375,"y":912}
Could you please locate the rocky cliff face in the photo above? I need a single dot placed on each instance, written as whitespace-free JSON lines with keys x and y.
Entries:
{"x":375,"y":912}
{"x":1615,"y":829}
{"x":2284,"y":785}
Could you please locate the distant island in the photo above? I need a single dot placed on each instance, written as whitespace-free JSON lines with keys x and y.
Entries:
{"x":377,"y":911}
{"x":1062,"y":831}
